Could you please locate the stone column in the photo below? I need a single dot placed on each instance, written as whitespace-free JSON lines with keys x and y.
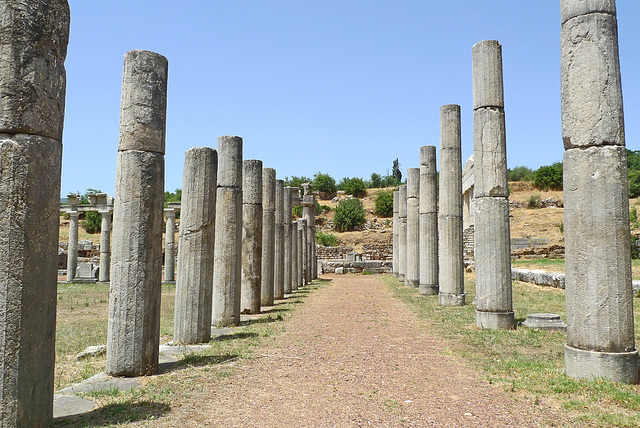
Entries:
{"x":402,"y":232}
{"x":451,"y":269}
{"x":196,"y":242}
{"x":305,"y":253}
{"x":287,"y":240}
{"x":294,"y":246}
{"x":170,"y":246}
{"x":599,"y":297}
{"x":396,"y":227}
{"x":428,"y":213}
{"x":309,"y":267}
{"x":494,"y":309}
{"x":412,"y":274}
{"x":299,"y":242}
{"x":133,"y":336}
{"x":268,"y":235}
{"x":251,"y":236}
{"x":72,"y":250}
{"x":279,"y":243}
{"x":105,"y":246}
{"x":227,"y":265}
{"x":33,"y":47}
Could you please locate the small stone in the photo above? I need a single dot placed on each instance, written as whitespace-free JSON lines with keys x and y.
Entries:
{"x":92,"y":351}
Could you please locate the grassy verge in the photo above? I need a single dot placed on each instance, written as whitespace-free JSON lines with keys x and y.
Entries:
{"x":525,"y":362}
{"x":557,"y":265}
{"x":160,"y":392}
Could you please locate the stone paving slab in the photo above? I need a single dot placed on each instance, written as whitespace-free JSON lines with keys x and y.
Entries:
{"x":70,"y":405}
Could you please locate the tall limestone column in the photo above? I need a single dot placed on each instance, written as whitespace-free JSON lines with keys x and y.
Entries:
{"x":251,"y":236}
{"x":451,"y":269}
{"x":33,"y":47}
{"x":305,"y":253}
{"x":300,"y":242}
{"x":494,"y":308}
{"x":294,"y":241}
{"x":196,"y":242}
{"x":396,"y":226}
{"x":402,"y":232}
{"x":287,"y":239}
{"x":227,"y":264}
{"x":599,"y":297}
{"x":133,"y":336}
{"x":309,"y":212}
{"x":72,"y":249}
{"x":279,"y":243}
{"x":268,"y":235}
{"x":170,"y":246}
{"x":412,"y":274}
{"x":428,"y":222}
{"x":105,"y":245}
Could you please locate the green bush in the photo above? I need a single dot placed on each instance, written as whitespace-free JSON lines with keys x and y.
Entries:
{"x":324,"y":183}
{"x":549,"y":177}
{"x":534,"y":201}
{"x":520,"y":173}
{"x":376,"y":180}
{"x":384,"y":203}
{"x":296,"y":181}
{"x":92,"y":222}
{"x":296,"y":211}
{"x":355,"y":187}
{"x":326,"y":239}
{"x":348,"y":215}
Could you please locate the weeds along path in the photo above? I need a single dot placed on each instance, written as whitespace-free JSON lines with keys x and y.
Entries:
{"x":352,"y":355}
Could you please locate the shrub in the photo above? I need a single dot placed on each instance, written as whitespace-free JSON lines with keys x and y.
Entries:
{"x":296,"y":181}
{"x":326,"y":239}
{"x":376,"y":180}
{"x":634,"y":184}
{"x":549,"y":177}
{"x":384,"y":203}
{"x":92,"y":222}
{"x":296,"y":211}
{"x":355,"y":187}
{"x":520,"y":173}
{"x":324,"y":183}
{"x":348,"y":215}
{"x":633,"y":217}
{"x":534,"y":201}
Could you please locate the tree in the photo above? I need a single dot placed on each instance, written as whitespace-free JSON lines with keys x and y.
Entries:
{"x":355,"y":186}
{"x":395,"y":171}
{"x":324,"y":183}
{"x":520,"y":173}
{"x":549,"y":177}
{"x":92,"y":222}
{"x":297,"y":181}
{"x":349,"y":214}
{"x":384,"y":203}
{"x":376,"y":180}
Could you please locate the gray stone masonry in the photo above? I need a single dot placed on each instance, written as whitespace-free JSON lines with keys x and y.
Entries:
{"x":396,"y":226}
{"x":309,"y":212}
{"x":428,"y":222}
{"x":72,"y":251}
{"x":268,"y":235}
{"x":105,"y":246}
{"x":196,"y":242}
{"x":287,"y":240}
{"x":279,"y":243}
{"x":305,"y":253}
{"x":227,"y":264}
{"x":451,"y":269}
{"x":402,"y":232}
{"x":294,"y":245}
{"x":599,"y":297}
{"x":170,"y":246}
{"x":251,"y":236}
{"x":300,"y":242}
{"x":136,"y":265}
{"x":412,"y":275}
{"x":494,"y":308}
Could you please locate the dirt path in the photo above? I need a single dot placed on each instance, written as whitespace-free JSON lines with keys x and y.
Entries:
{"x":352,"y":355}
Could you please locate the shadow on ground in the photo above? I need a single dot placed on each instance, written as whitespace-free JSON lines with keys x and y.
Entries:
{"x":128,"y":411}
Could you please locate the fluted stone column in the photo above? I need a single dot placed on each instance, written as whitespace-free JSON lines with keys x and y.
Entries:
{"x":396,"y":226}
{"x":599,"y":297}
{"x":309,"y":212}
{"x":428,"y":223}
{"x":305,"y":253}
{"x":300,"y":242}
{"x":227,"y":265}
{"x":105,"y":246}
{"x":196,"y":243}
{"x":412,"y":274}
{"x":494,"y":308}
{"x":268,"y":235}
{"x":33,"y":47}
{"x":450,"y":243}
{"x":294,"y":245}
{"x":279,"y":243}
{"x":72,"y":249}
{"x":170,"y":246}
{"x":136,"y":265}
{"x":402,"y":232}
{"x":287,"y":240}
{"x":251,"y":236}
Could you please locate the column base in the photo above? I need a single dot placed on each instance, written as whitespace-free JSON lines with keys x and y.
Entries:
{"x":619,"y":367}
{"x":428,"y":290}
{"x":411,"y":283}
{"x":495,"y":320}
{"x":451,"y":299}
{"x":401,"y":277}
{"x":168,"y":282}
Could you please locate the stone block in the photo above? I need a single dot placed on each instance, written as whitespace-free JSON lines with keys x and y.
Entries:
{"x":230,"y":161}
{"x":489,"y":153}
{"x":573,"y":8}
{"x":488,"y":89}
{"x":451,"y":268}
{"x":428,"y":180}
{"x":544,"y":322}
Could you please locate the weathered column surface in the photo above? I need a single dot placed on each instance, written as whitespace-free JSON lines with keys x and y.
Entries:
{"x":300,"y":242}
{"x":196,"y":242}
{"x":251,"y":236}
{"x":309,"y":212}
{"x":396,"y":226}
{"x":105,"y":246}
{"x":170,"y":246}
{"x":287,"y":240}
{"x":451,"y":268}
{"x":294,"y":242}
{"x":305,"y":253}
{"x":72,"y":249}
{"x":278,"y":273}
{"x":491,"y":191}
{"x":599,"y":297}
{"x":136,"y":264}
{"x":268,"y":235}
{"x":428,"y":222}
{"x":412,"y":274}
{"x":33,"y":47}
{"x":227,"y":266}
{"x":402,"y":232}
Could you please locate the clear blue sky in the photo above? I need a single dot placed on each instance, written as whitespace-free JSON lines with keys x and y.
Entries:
{"x":338,"y":86}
